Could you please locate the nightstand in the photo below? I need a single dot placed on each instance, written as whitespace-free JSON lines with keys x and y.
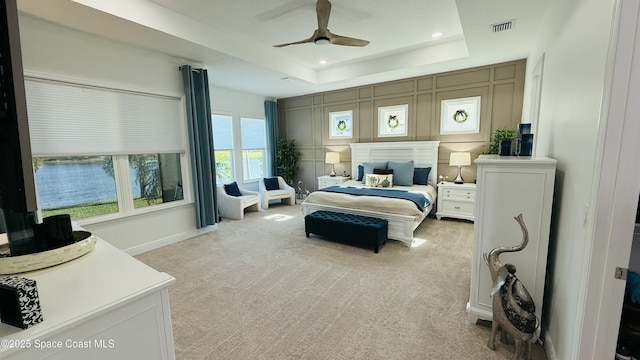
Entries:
{"x":326,"y":180}
{"x":456,"y":200}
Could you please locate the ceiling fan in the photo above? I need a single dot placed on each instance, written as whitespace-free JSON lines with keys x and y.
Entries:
{"x":322,"y":35}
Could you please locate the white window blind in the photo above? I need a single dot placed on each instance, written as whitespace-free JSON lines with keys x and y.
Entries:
{"x":67,"y":119}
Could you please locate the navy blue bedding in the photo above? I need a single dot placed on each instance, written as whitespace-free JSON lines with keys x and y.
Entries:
{"x":420,"y":200}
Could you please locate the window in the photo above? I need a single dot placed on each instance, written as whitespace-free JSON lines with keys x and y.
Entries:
{"x":250,"y":133}
{"x":254,"y":148}
{"x":82,"y":186}
{"x":100,"y":151}
{"x":85,"y":186}
{"x":155,"y":179}
{"x":223,"y":145}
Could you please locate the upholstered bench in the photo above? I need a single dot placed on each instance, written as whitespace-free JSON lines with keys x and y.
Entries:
{"x":358,"y":230}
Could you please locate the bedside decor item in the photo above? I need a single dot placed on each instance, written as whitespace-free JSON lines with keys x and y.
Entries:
{"x":460,"y":116}
{"x":459,"y":159}
{"x":392,"y":120}
{"x":332,"y":158}
{"x":514,"y":310}
{"x":19,"y":302}
{"x":341,"y":124}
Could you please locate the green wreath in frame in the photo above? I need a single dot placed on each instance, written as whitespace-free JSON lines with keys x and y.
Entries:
{"x":460,"y":116}
{"x":342,"y":125}
{"x":393,"y":121}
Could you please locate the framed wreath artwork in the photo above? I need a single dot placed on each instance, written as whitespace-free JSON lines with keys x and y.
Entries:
{"x":392,"y":120}
{"x":460,"y":116}
{"x":341,"y":124}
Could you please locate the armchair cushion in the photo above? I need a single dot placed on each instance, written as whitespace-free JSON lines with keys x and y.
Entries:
{"x":271,"y":183}
{"x":232,"y":189}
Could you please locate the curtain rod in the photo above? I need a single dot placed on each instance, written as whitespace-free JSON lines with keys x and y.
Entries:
{"x":196,"y":70}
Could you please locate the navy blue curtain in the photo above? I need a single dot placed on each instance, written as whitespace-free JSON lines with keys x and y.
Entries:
{"x":271,"y":118}
{"x":198,"y":107}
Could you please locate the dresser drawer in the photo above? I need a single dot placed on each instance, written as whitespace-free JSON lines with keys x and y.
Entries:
{"x":459,"y":194}
{"x":458,"y":207}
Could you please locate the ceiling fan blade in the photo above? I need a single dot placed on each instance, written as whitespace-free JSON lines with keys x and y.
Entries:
{"x":323,"y":10}
{"x":322,"y":35}
{"x":308,"y":40}
{"x":345,"y":40}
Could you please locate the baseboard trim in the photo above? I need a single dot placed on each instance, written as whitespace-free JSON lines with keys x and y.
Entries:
{"x":549,"y":349}
{"x":152,"y":245}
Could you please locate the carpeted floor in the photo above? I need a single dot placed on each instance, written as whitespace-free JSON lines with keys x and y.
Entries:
{"x":259,"y":289}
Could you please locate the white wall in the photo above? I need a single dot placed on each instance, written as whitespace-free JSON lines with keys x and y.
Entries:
{"x":56,"y":51}
{"x":575,"y":44}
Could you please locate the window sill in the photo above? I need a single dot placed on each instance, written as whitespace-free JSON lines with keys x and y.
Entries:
{"x":133,"y":213}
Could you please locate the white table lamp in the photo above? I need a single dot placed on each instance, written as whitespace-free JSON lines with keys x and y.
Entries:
{"x":459,"y":159}
{"x":332,"y":158}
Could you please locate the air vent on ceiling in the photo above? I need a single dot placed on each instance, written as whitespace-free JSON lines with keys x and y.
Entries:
{"x":502,"y":26}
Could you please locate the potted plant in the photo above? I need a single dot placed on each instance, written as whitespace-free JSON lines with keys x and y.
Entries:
{"x":502,"y":133}
{"x":287,"y":160}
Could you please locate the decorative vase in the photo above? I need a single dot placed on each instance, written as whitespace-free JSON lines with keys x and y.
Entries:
{"x":526,"y":145}
{"x":505,"y":147}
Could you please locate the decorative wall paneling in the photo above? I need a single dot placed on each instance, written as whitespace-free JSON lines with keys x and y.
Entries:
{"x":306,"y":118}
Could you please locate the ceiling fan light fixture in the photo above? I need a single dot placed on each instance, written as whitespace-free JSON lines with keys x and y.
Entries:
{"x":322,"y":41}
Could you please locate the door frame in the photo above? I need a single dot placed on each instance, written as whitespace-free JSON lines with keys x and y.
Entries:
{"x":615,"y":191}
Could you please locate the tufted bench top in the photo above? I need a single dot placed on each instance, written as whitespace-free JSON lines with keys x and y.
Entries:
{"x":362,"y":230}
{"x":351,"y":218}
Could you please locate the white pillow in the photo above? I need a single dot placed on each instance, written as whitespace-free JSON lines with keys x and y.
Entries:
{"x":378,"y":180}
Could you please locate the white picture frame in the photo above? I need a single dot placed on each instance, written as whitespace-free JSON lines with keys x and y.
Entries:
{"x":460,"y":116}
{"x":392,"y":120}
{"x":341,"y":124}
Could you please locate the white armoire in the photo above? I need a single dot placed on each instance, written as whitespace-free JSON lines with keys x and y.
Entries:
{"x":506,"y":187}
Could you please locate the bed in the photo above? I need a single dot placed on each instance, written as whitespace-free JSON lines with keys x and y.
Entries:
{"x":402,"y":221}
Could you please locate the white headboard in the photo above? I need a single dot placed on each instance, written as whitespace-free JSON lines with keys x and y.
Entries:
{"x":423,"y":154}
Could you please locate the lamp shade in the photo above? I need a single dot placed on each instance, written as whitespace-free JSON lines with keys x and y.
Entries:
{"x":460,"y":159}
{"x":332,"y":158}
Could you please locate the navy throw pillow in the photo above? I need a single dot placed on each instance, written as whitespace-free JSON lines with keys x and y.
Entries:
{"x":360,"y":172}
{"x":421,"y":176}
{"x":271,"y":183}
{"x":232,"y":189}
{"x":383,"y":171}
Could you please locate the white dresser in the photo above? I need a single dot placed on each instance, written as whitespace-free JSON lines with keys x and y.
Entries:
{"x":326,"y":180}
{"x":103,"y":305}
{"x":456,"y":200}
{"x":506,"y":187}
